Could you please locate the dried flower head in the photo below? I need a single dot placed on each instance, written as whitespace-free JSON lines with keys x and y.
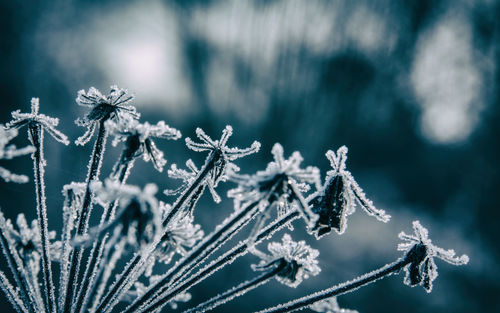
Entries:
{"x":114,"y":106}
{"x":297,"y":259}
{"x":34,"y":118}
{"x":8,"y":152}
{"x":338,"y":196}
{"x":220,"y":154}
{"x":138,"y":138}
{"x":420,"y":252}
{"x":275,"y":178}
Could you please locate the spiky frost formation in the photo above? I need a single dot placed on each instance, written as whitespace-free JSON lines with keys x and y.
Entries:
{"x":420,"y":251}
{"x":329,"y":305}
{"x":138,"y":139}
{"x":220,"y":154}
{"x":8,"y":152}
{"x":299,"y":258}
{"x":113,"y":106}
{"x":338,"y":197}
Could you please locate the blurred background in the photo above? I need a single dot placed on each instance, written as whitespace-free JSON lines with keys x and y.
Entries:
{"x":409,"y":86}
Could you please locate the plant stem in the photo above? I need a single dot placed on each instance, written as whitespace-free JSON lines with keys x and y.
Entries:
{"x":340,"y":289}
{"x":95,"y":257}
{"x":227,"y":258}
{"x":36,"y":137}
{"x":17,"y":269}
{"x":237,"y":291}
{"x":138,"y":260}
{"x":77,"y":253}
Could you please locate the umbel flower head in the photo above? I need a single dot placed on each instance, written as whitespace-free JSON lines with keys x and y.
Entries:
{"x":338,"y":196}
{"x":34,"y":118}
{"x":279,"y":178}
{"x":8,"y":152}
{"x":220,"y":154}
{"x":114,"y":106}
{"x":139,"y":142}
{"x":298,"y":260}
{"x":329,"y":305}
{"x":420,"y":252}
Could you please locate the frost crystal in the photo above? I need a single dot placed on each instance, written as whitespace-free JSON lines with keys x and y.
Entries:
{"x":420,"y":251}
{"x":140,"y":289}
{"x":338,"y":196}
{"x":139,"y":142}
{"x":9,"y":152}
{"x":111,"y":107}
{"x":329,"y":305}
{"x":299,"y":258}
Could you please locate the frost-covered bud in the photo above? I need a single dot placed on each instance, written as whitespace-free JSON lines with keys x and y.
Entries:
{"x":329,"y":305}
{"x":420,"y":252}
{"x":337,"y":198}
{"x":114,"y":106}
{"x":297,"y":259}
{"x":138,"y":139}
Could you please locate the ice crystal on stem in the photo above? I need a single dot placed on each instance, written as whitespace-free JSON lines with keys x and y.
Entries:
{"x":338,"y":196}
{"x":420,"y":252}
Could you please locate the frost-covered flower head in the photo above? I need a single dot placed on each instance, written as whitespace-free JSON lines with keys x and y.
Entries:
{"x":35,"y":119}
{"x":114,"y":106}
{"x":329,"y":305}
{"x":138,"y":138}
{"x":8,"y":152}
{"x":297,"y":259}
{"x":221,"y":155}
{"x":276,"y":178}
{"x":338,"y":196}
{"x":139,"y":216}
{"x":180,"y":235}
{"x":420,"y":252}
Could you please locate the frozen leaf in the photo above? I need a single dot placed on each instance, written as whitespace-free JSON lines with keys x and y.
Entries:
{"x":329,"y":305}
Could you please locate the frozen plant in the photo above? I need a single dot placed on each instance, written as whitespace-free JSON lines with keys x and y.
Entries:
{"x":111,"y":263}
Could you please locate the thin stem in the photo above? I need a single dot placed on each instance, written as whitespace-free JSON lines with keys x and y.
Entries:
{"x":203,"y":250}
{"x":11,"y":294}
{"x":237,"y":291}
{"x":138,"y":260}
{"x":36,"y":137}
{"x":96,"y":253}
{"x":227,"y":258}
{"x":340,"y":289}
{"x":77,"y":253}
